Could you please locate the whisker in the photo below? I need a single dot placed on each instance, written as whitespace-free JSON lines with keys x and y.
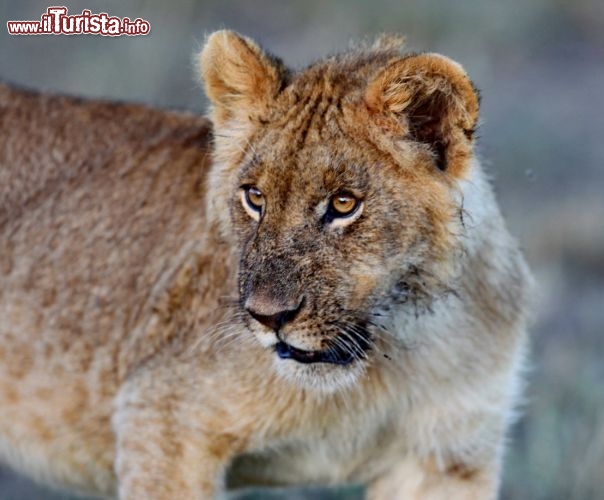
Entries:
{"x":358,"y":350}
{"x":342,"y":345}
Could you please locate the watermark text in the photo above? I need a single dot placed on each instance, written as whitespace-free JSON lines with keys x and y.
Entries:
{"x":56,"y":21}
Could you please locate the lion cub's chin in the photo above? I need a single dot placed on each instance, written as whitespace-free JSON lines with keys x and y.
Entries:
{"x":322,"y":378}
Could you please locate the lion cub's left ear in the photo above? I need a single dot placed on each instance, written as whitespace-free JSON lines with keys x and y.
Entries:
{"x":431,"y":99}
{"x":240,"y":78}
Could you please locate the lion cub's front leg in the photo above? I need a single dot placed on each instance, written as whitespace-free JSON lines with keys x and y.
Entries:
{"x":155,"y":462}
{"x":160,"y":459}
{"x":412,"y":480}
{"x":165,"y":449}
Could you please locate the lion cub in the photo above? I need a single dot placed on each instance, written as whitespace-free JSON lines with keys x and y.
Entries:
{"x":318,"y":289}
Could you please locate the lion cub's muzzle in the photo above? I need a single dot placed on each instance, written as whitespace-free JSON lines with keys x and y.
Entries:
{"x":342,"y":349}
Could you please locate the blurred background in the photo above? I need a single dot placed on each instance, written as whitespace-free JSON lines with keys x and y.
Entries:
{"x":540,"y":67}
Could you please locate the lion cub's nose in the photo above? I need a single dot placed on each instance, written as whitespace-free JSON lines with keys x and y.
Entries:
{"x":271,"y":313}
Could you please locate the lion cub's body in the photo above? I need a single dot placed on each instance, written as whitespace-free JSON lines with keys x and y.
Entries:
{"x":87,"y":241}
{"x":127,"y":366}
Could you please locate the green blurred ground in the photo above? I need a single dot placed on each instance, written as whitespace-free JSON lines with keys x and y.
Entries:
{"x":540,"y":66}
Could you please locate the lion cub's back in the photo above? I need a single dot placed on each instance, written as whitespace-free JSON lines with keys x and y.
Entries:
{"x":97,"y":200}
{"x":49,"y":140}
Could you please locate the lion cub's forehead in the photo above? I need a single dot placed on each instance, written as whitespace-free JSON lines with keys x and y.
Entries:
{"x":310,"y":108}
{"x":318,"y":169}
{"x":308,"y":143}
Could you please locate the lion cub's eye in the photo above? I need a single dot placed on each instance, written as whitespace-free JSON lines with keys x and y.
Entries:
{"x":342,"y":210}
{"x":253,"y":201}
{"x":343,"y":205}
{"x":254,"y":198}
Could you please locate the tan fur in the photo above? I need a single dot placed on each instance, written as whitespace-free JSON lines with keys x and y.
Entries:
{"x":129,"y":365}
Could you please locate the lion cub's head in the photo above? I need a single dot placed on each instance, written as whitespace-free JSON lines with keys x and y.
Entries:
{"x":337,"y":187}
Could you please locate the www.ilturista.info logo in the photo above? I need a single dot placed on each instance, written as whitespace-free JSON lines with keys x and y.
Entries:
{"x":57,"y":22}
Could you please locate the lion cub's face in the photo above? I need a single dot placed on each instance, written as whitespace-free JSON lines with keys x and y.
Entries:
{"x":337,"y":185}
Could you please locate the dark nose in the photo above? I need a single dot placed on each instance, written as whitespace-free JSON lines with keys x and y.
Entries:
{"x":270,"y":316}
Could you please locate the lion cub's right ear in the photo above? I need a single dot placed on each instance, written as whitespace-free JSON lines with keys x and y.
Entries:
{"x":240,"y":78}
{"x":431,"y":97}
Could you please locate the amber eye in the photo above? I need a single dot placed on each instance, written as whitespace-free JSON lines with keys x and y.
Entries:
{"x":254,"y":198}
{"x":343,"y":205}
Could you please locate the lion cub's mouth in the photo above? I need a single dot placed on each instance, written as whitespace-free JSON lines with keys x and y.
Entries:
{"x":338,"y":354}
